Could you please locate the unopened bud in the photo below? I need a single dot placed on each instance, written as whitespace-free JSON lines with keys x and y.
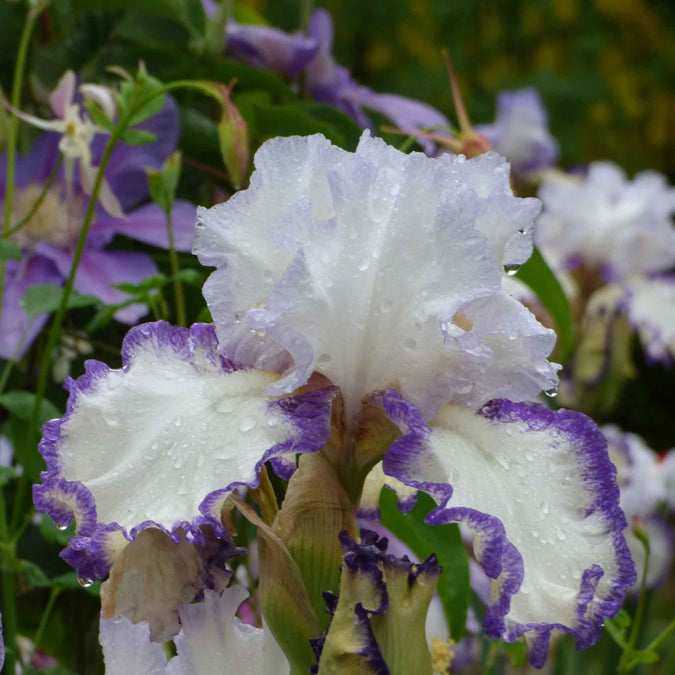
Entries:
{"x":233,"y":138}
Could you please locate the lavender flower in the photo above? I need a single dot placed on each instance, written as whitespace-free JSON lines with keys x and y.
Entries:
{"x":48,"y":238}
{"x":520,"y":132}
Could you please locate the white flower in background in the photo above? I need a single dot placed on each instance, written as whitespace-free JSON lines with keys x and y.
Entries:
{"x":615,"y":231}
{"x":212,"y":641}
{"x":643,"y":482}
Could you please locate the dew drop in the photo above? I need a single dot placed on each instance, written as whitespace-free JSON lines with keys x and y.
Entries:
{"x":544,"y":507}
{"x":85,"y":582}
{"x":177,"y":421}
{"x":552,"y":392}
{"x":510,"y":270}
{"x":324,"y":358}
{"x":247,"y":424}
{"x":61,"y":526}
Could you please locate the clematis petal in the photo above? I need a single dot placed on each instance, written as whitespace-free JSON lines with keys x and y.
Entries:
{"x":215,"y":642}
{"x":98,"y":271}
{"x":362,"y":279}
{"x":539,"y":492}
{"x":650,"y":306}
{"x":18,"y":331}
{"x":148,"y":224}
{"x":117,"y":459}
{"x":63,"y":96}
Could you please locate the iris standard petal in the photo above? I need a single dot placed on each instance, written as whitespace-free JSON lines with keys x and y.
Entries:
{"x":366,"y":266}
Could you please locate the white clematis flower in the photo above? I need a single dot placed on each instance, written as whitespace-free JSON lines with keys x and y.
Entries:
{"x":78,"y":132}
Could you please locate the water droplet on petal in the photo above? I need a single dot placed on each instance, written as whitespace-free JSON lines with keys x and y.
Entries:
{"x":510,"y":270}
{"x":61,"y":526}
{"x":552,"y":392}
{"x":85,"y":582}
{"x":177,"y":421}
{"x":247,"y":424}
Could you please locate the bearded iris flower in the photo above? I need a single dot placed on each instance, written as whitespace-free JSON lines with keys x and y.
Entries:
{"x":608,"y":230}
{"x":48,"y":238}
{"x":375,"y":277}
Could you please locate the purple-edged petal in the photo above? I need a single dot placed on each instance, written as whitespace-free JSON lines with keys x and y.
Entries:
{"x":99,"y":270}
{"x":163,"y":441}
{"x":650,"y":306}
{"x":539,"y":492}
{"x":18,"y":331}
{"x":379,"y":269}
{"x":520,"y":132}
{"x":148,"y":224}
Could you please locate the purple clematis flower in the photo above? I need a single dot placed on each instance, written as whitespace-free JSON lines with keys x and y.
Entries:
{"x":326,"y":80}
{"x":48,"y":239}
{"x":520,"y":132}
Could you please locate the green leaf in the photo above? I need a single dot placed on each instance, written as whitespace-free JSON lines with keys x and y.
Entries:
{"x":98,"y":116}
{"x":20,"y":404}
{"x":517,"y":652}
{"x":644,"y":656}
{"x":137,"y":136}
{"x":163,"y":182}
{"x":540,"y":278}
{"x":39,"y":579}
{"x":443,"y":540}
{"x":291,"y":120}
{"x":188,"y":13}
{"x":623,"y":619}
{"x":9,"y":250}
{"x":44,"y":298}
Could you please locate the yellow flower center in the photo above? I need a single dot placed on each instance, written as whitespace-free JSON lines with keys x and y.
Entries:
{"x":54,"y":221}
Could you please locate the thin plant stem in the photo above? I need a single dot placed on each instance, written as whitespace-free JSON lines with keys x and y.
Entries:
{"x":38,"y":201}
{"x":624,"y":663}
{"x":657,"y":642}
{"x":8,"y":592}
{"x":45,"y":617}
{"x":175,"y":268}
{"x":17,"y":85}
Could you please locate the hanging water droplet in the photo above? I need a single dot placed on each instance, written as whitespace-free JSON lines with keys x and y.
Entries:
{"x":61,"y":526}
{"x":510,"y":270}
{"x":552,"y":392}
{"x":85,"y":582}
{"x":247,"y":424}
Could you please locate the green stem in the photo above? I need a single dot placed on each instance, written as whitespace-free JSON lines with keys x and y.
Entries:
{"x":175,"y":268}
{"x":663,"y":637}
{"x":624,"y":663}
{"x":8,"y":593}
{"x":38,"y":201}
{"x":17,"y":85}
{"x":45,"y":617}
